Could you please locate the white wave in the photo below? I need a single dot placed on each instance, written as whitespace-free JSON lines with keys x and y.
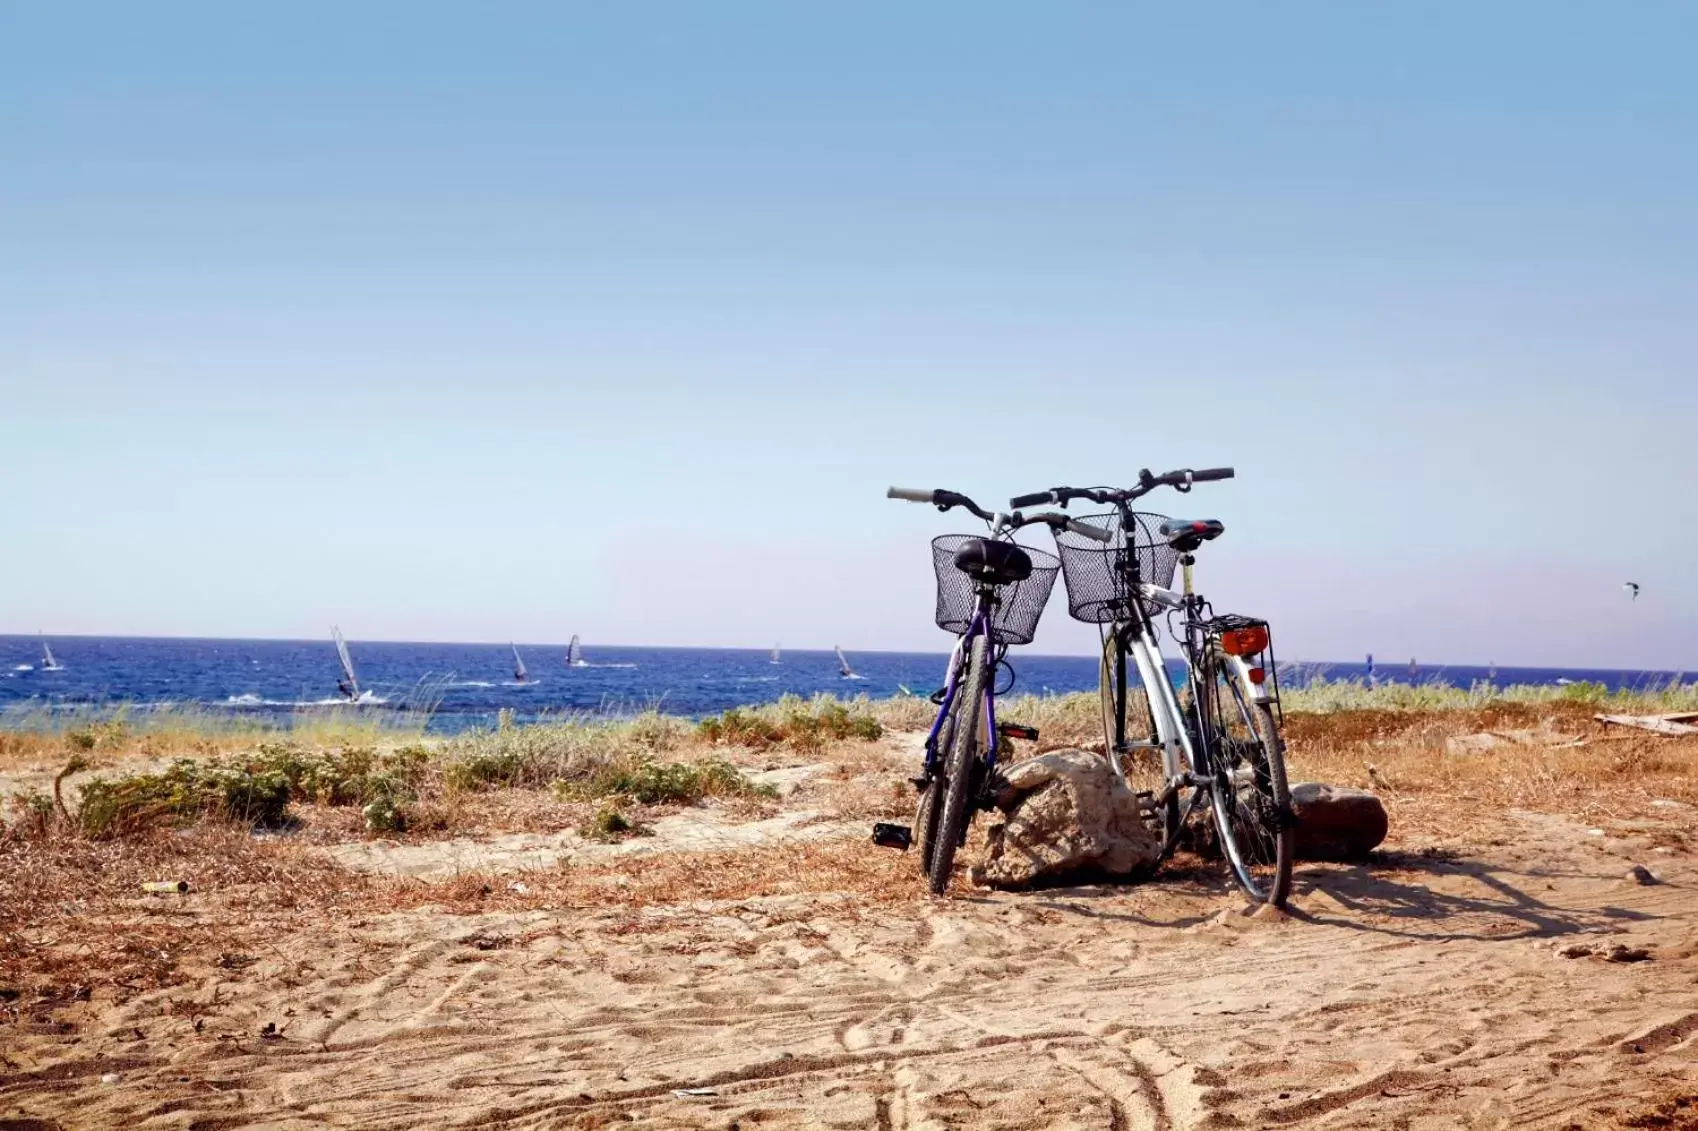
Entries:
{"x":23,"y":667}
{"x":471,"y":683}
{"x":246,"y":700}
{"x":757,"y":679}
{"x":517,"y":683}
{"x":852,"y":675}
{"x":607,"y":665}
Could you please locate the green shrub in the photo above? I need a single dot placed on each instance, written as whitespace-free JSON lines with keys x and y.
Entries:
{"x":186,"y":791}
{"x":256,"y":788}
{"x":571,"y":750}
{"x":609,"y":825}
{"x":803,"y":724}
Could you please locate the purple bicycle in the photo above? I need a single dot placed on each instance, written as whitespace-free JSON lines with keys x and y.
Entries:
{"x":990,"y":593}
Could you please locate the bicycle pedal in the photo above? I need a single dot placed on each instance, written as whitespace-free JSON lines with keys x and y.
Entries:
{"x":893,"y":836}
{"x":1015,"y":730}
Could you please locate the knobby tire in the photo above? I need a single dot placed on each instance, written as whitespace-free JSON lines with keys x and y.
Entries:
{"x":952,"y":821}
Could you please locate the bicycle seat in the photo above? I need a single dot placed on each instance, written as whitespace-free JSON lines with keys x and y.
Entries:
{"x":1186,"y":534}
{"x":999,"y":563}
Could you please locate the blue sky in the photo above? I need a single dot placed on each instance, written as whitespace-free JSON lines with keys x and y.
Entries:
{"x":517,"y":320}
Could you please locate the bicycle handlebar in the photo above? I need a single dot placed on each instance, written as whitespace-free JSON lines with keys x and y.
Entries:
{"x":1180,"y":480}
{"x":1088,"y":530}
{"x":945,"y":500}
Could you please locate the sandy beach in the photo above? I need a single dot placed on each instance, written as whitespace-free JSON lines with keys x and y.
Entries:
{"x":1495,"y":965}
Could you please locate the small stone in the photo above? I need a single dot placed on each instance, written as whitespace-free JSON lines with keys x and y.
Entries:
{"x":109,"y":1078}
{"x":1594,"y":832}
{"x":1621,"y":953}
{"x":1574,"y":950}
{"x":1641,"y":875}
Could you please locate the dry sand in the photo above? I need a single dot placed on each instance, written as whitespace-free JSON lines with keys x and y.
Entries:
{"x":1448,"y":984}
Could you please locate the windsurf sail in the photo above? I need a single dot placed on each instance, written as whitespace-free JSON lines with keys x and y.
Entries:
{"x":519,"y":672}
{"x":48,"y":663}
{"x":774,"y":659}
{"x":843,"y":667}
{"x":1414,"y":669}
{"x":1373,"y":676}
{"x":349,"y":684}
{"x":574,"y":654}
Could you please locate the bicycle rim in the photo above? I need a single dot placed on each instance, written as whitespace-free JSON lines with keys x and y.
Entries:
{"x":1253,"y":810}
{"x":953,"y":819}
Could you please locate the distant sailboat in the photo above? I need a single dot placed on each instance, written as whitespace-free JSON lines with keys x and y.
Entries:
{"x":1414,"y":669}
{"x":48,"y":663}
{"x":519,"y":672}
{"x":1492,"y":670}
{"x":575,"y":654}
{"x":349,"y":684}
{"x":843,"y":667}
{"x":1373,"y":676}
{"x":774,"y":659}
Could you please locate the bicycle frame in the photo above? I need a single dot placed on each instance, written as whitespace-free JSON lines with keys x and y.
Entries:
{"x":1186,"y":756}
{"x":957,"y":660}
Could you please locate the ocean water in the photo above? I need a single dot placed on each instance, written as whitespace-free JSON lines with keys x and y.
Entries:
{"x":468,"y":684}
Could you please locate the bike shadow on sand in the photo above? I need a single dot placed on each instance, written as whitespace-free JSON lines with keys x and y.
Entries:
{"x":1450,"y":898}
{"x":1405,"y":895}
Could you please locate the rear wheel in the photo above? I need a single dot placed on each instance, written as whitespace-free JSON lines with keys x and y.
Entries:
{"x":1252,"y":805}
{"x":957,"y":787}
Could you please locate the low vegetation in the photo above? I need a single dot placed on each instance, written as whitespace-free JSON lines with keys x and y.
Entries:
{"x":805,"y":725}
{"x":255,"y":788}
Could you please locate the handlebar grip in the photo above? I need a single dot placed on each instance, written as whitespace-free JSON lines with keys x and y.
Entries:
{"x":1212,"y":473}
{"x":911,"y":494}
{"x":1037,"y":498}
{"x":1090,"y":531}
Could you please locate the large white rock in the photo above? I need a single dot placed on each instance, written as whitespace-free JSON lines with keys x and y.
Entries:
{"x":1064,"y":814}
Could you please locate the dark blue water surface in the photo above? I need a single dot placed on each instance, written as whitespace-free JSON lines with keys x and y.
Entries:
{"x":468,"y":684}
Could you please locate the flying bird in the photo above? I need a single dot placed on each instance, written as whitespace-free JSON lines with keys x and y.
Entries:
{"x":1632,"y":588}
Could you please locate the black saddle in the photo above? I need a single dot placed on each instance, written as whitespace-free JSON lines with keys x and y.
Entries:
{"x":1186,"y":534}
{"x":999,"y":563}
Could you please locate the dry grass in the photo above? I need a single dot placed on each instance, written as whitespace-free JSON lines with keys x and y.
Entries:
{"x":72,"y":915}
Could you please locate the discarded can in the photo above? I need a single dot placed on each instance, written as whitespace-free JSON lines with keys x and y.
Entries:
{"x":166,"y":887}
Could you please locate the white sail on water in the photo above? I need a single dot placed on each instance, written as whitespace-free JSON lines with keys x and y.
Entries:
{"x":48,"y":663}
{"x":774,"y":659}
{"x":843,"y":667}
{"x":575,"y":654}
{"x":349,"y":679}
{"x":519,"y":672}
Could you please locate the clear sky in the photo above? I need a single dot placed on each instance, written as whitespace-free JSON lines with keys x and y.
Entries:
{"x":490,"y":321}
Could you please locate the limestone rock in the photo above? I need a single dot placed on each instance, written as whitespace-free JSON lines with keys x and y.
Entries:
{"x":1064,"y":814}
{"x":1335,"y":822}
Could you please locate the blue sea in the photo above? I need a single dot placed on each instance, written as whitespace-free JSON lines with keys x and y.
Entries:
{"x":467,"y":685}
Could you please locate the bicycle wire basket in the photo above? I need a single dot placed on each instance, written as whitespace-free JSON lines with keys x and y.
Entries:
{"x":1019,"y":604}
{"x":1097,"y":592}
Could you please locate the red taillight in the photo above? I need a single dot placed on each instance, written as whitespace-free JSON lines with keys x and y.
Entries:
{"x":1244,"y":641}
{"x":1257,"y":675}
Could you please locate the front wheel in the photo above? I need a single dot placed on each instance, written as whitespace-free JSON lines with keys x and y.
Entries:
{"x":958,"y":773}
{"x":931,"y":798}
{"x":1251,"y":798}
